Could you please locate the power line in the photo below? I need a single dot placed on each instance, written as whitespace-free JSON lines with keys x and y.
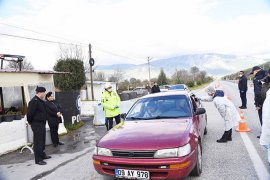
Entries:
{"x":34,"y":39}
{"x":49,"y":41}
{"x":112,"y":53}
{"x":58,"y":42}
{"x":37,"y":32}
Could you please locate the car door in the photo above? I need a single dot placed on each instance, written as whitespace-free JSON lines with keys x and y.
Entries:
{"x":199,"y":119}
{"x":202,"y":119}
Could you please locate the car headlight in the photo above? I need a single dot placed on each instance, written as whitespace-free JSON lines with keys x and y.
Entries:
{"x":184,"y":150}
{"x":102,"y":151}
{"x":166,"y":153}
{"x":174,"y":152}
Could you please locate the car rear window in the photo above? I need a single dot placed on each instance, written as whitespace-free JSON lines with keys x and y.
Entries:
{"x":162,"y":107}
{"x":177,"y":87}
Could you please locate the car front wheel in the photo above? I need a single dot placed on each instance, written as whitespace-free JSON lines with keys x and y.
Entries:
{"x":198,"y":167}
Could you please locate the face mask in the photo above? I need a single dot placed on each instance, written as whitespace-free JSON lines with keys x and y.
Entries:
{"x":110,"y":90}
{"x":240,"y":75}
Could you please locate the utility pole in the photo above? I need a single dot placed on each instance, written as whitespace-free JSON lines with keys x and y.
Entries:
{"x":91,"y":62}
{"x":148,"y":60}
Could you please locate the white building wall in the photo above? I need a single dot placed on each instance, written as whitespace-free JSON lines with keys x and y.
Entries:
{"x":98,"y":87}
{"x":13,"y":134}
{"x":24,"y":79}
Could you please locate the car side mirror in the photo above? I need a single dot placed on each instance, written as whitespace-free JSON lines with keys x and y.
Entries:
{"x":123,"y":116}
{"x":200,"y":111}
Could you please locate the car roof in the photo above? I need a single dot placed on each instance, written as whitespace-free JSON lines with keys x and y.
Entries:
{"x":167,"y":93}
{"x":179,"y":85}
{"x":139,"y":88}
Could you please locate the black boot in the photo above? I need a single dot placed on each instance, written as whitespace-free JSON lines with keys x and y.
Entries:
{"x":230,"y":135}
{"x":224,"y":137}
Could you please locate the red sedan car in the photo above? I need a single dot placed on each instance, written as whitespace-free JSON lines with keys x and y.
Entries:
{"x":160,"y":138}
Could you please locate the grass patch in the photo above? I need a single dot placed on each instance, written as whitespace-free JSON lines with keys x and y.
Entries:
{"x":76,"y":125}
{"x":200,"y":86}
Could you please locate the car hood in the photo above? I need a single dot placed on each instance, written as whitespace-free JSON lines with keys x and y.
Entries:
{"x":147,"y":135}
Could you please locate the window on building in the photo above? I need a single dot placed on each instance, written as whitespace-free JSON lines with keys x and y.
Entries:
{"x":12,"y":101}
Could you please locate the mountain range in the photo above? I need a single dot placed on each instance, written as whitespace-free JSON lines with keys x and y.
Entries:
{"x":214,"y":64}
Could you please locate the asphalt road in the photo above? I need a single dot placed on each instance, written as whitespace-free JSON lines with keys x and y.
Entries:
{"x":242,"y":159}
{"x":230,"y":161}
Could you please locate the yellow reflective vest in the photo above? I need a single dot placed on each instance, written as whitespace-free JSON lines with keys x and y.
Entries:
{"x":110,"y":102}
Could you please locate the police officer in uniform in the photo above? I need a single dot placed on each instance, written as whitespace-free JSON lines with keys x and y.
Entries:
{"x":259,"y":74}
{"x":111,"y":102}
{"x":242,"y":86}
{"x":36,"y":117}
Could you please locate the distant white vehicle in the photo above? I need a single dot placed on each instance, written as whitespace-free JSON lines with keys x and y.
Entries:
{"x":164,"y":88}
{"x":179,"y":87}
{"x":141,"y":91}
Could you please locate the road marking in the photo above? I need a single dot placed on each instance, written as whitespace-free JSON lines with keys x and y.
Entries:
{"x":255,"y":158}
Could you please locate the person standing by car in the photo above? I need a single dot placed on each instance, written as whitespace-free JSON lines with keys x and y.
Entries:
{"x":36,"y":117}
{"x":226,"y":109}
{"x":148,"y":88}
{"x":110,"y":102}
{"x":265,"y":85}
{"x":155,"y":88}
{"x":54,"y":118}
{"x":265,"y":135}
{"x":242,"y":86}
{"x":259,"y":74}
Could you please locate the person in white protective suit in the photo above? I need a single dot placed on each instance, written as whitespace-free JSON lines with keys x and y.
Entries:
{"x":226,"y":109}
{"x":265,"y":136}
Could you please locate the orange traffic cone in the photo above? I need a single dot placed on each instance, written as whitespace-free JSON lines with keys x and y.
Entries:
{"x":242,"y":124}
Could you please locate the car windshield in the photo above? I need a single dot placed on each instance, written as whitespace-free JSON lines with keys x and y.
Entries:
{"x":179,"y":86}
{"x":162,"y":107}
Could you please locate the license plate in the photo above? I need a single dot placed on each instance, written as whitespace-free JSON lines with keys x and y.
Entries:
{"x":132,"y":174}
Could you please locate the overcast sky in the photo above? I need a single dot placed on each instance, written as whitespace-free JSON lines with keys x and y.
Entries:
{"x":135,"y":29}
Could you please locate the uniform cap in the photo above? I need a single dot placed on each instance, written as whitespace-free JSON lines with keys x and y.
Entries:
{"x":107,"y":85}
{"x":40,"y":89}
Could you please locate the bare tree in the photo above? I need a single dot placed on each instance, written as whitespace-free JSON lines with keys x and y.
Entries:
{"x":180,"y":76}
{"x":71,"y":52}
{"x":133,"y":82}
{"x":194,"y":70}
{"x":25,"y":65}
{"x":124,"y":85}
{"x":99,"y":76}
{"x":74,"y":52}
{"x":117,"y":76}
{"x":202,"y":76}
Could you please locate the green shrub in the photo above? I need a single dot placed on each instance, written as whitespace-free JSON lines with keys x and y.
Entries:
{"x":190,"y":83}
{"x":74,"y":79}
